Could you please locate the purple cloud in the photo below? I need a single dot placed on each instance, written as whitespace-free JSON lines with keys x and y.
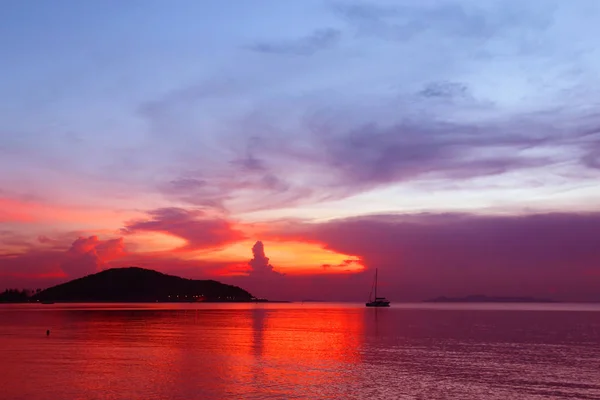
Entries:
{"x":428,"y":255}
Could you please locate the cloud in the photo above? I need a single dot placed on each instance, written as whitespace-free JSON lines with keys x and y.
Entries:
{"x":457,"y":19}
{"x":53,"y":260}
{"x":44,"y":239}
{"x":198,"y":192}
{"x":343,"y":265}
{"x":196,"y":227}
{"x":374,"y":154}
{"x":156,"y":110}
{"x":418,"y":255}
{"x":359,"y":154}
{"x":34,"y":267}
{"x":12,"y":210}
{"x":488,"y":90}
{"x":445,"y":90}
{"x":259,"y":265}
{"x":251,"y":175}
{"x":425,"y":255}
{"x":51,"y":263}
{"x":90,"y":255}
{"x":259,"y":277}
{"x":254,"y":172}
{"x":13,"y":242}
{"x":319,"y":40}
{"x":592,"y":157}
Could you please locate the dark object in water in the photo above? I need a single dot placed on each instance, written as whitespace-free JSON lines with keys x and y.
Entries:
{"x":48,"y":332}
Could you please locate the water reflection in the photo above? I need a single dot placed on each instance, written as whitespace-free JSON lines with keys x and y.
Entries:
{"x":296,"y":351}
{"x":212,"y":353}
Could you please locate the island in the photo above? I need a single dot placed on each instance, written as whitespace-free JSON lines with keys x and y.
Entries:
{"x":133,"y":284}
{"x":488,"y":299}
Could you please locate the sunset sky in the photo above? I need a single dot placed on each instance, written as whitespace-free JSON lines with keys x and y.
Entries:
{"x":453,"y":145}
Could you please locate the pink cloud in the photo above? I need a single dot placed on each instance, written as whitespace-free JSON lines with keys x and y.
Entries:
{"x":90,"y":255}
{"x":15,"y":211}
{"x":28,"y":211}
{"x":43,"y":266}
{"x":197,"y":228}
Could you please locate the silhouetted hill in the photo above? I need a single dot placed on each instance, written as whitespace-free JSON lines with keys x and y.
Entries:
{"x":140,"y":285}
{"x":488,"y":299}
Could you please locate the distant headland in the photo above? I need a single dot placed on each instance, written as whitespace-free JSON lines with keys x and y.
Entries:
{"x":133,"y":284}
{"x":488,"y":299}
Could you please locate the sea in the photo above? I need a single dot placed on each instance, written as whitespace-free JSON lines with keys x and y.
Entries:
{"x":222,"y":351}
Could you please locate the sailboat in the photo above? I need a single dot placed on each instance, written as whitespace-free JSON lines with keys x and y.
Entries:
{"x":378,"y":301}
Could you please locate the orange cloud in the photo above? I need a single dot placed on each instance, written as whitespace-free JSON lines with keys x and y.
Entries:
{"x":172,"y":240}
{"x":290,"y":257}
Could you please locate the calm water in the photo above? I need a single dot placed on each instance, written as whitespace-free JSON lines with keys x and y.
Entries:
{"x":303,"y":351}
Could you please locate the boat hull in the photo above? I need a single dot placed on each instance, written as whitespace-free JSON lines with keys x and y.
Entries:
{"x":378,"y":304}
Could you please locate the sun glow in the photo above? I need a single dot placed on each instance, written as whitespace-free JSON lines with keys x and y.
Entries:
{"x":152,"y":242}
{"x":290,"y":257}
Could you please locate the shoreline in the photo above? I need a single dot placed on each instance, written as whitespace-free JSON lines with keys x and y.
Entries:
{"x":143,"y":302}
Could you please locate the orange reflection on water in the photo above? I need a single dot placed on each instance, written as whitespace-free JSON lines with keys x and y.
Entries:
{"x":211,"y":351}
{"x":311,"y":334}
{"x":310,"y":351}
{"x":291,"y":348}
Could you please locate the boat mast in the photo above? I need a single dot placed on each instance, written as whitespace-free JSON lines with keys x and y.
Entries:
{"x":375,"y":283}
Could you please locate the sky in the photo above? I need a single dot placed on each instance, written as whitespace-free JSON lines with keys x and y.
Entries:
{"x":293,"y":147}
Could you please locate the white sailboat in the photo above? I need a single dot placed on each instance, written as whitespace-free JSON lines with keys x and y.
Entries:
{"x":378,"y":301}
